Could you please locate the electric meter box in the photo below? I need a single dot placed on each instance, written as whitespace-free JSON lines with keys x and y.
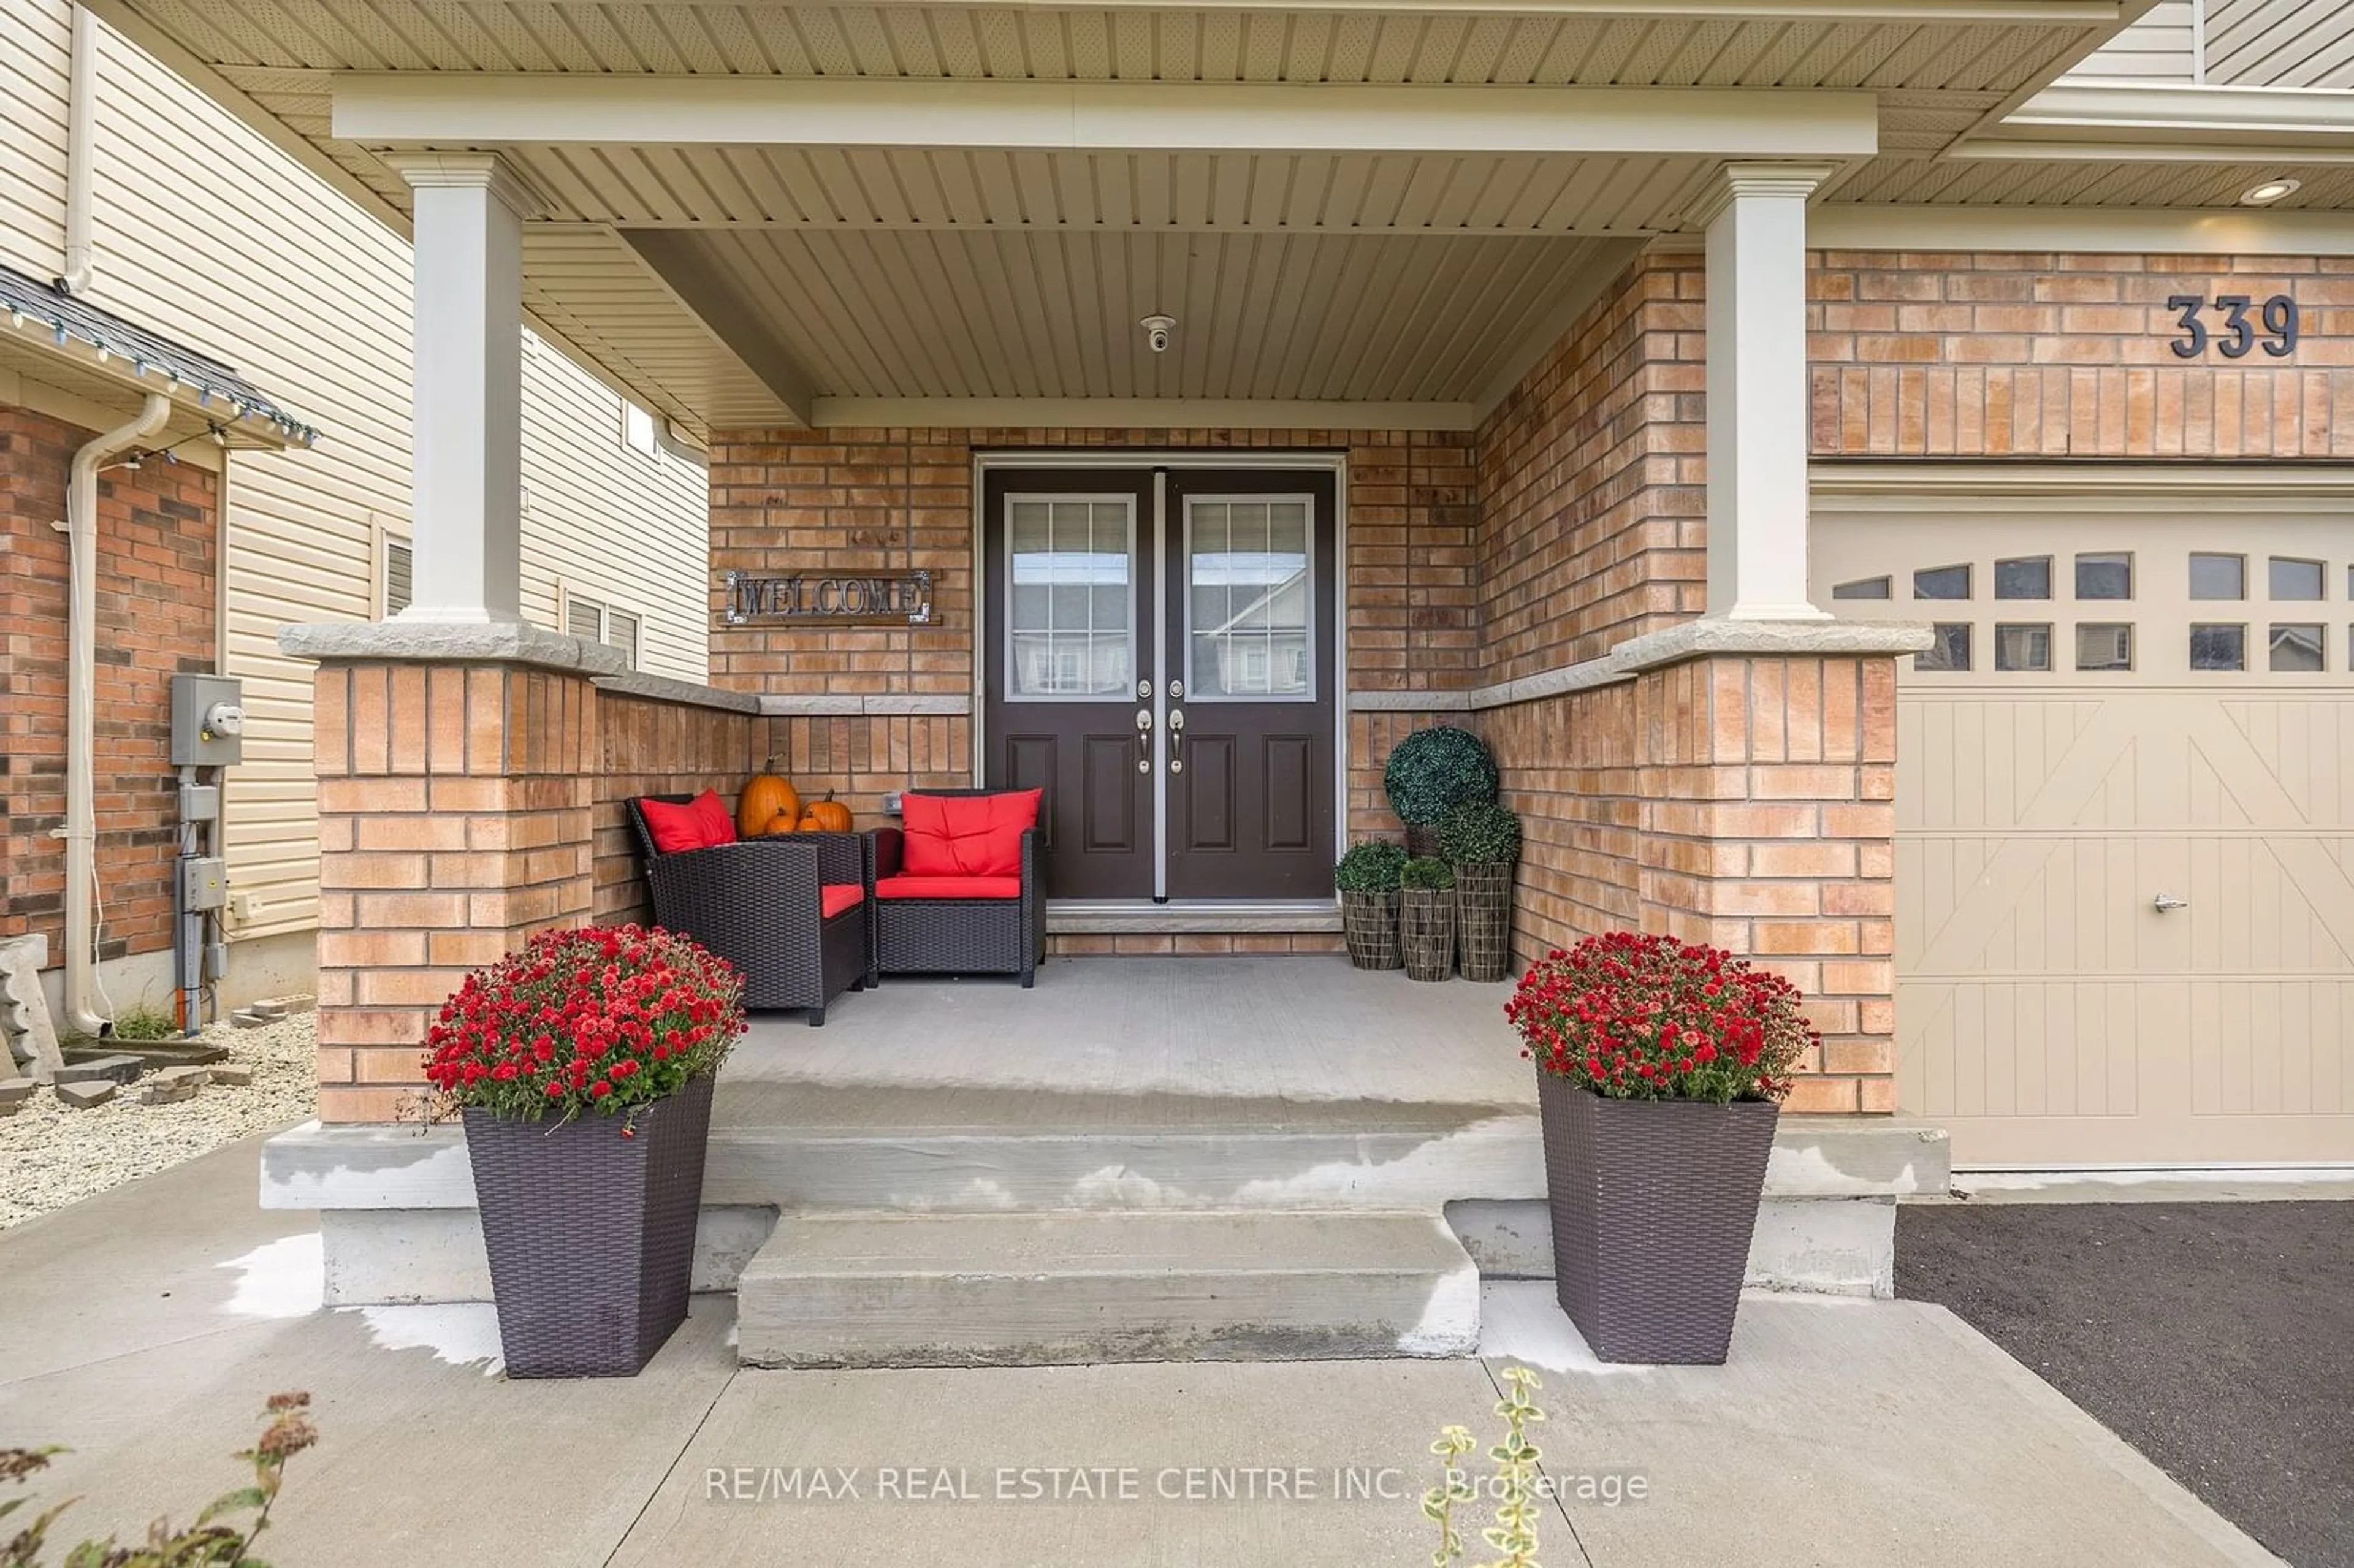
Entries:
{"x":208,"y":721}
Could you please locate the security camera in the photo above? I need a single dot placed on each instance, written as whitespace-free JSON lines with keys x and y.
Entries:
{"x":1156,"y":332}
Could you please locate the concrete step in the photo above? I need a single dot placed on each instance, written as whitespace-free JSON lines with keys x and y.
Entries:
{"x":859,"y":1289}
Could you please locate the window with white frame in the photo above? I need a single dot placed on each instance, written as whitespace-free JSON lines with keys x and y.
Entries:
{"x":601,"y":622}
{"x":399,"y":576}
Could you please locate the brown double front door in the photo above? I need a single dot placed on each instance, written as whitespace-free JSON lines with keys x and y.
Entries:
{"x":1159,"y":647}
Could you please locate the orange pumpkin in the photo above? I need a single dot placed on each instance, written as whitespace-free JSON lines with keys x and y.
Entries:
{"x":826,"y":816}
{"x":768,"y":804}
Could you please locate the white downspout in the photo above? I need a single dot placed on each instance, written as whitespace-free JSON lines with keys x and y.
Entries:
{"x":81,"y":702}
{"x":82,"y":156}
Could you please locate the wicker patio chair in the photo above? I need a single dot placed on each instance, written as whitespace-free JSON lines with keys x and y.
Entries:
{"x":954,"y":936}
{"x":759,"y":904}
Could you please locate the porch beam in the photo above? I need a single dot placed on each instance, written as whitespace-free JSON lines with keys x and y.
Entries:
{"x":466,"y":509}
{"x":1142,"y":413}
{"x":1756,"y":221}
{"x":683,"y":267}
{"x":468,"y":109}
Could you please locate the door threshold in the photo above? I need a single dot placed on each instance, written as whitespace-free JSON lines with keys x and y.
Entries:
{"x":1119,"y":917}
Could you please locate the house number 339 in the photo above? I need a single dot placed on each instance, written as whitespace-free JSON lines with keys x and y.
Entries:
{"x":2237,"y":333}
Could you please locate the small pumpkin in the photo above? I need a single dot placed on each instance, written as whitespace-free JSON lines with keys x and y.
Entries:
{"x":826,"y":816}
{"x":768,"y":804}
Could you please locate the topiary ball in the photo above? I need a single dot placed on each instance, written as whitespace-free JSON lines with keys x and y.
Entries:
{"x":1372,"y":866}
{"x":1479,"y":834}
{"x":1434,"y":770}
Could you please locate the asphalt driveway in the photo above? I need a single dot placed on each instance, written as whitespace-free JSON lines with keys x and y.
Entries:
{"x":2218,"y":1338}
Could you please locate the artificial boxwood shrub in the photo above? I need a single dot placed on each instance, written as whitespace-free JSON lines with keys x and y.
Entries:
{"x":1434,"y":770}
{"x":1479,"y":834}
{"x":1425,"y":874}
{"x":1370,"y":866}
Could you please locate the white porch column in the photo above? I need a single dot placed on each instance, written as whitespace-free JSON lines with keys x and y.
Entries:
{"x":467,"y":517}
{"x":1757,"y":396}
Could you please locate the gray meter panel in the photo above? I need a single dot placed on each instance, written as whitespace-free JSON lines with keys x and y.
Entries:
{"x":208,"y":721}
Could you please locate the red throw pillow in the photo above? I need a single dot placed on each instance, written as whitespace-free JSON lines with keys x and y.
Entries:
{"x":674,"y":828}
{"x":967,"y":836}
{"x":719,"y":822}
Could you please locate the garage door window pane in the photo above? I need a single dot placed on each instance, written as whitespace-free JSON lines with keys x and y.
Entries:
{"x":2218,"y":577}
{"x":2105,"y":647}
{"x":2022,"y":647}
{"x":1951,"y":650}
{"x":2296,"y":649}
{"x":1942,"y":582}
{"x":2029,"y":578}
{"x":2105,"y":576}
{"x":2219,"y":647}
{"x":2295,"y":579}
{"x":1868,"y":587}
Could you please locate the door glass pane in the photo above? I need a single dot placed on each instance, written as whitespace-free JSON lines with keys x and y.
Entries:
{"x":1069,"y":626}
{"x":2296,"y":648}
{"x":2022,"y":647}
{"x":2218,"y":577}
{"x":2295,"y":579}
{"x":2219,"y":647}
{"x":2028,"y":577}
{"x":1249,"y":600}
{"x":2105,"y":576}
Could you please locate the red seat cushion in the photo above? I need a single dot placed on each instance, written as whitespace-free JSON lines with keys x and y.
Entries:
{"x":718,"y":817}
{"x":836,"y":896}
{"x":967,"y":836}
{"x":948,"y":887}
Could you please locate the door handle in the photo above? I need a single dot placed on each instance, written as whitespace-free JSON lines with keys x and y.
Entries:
{"x":2166,"y":902}
{"x":1144,"y":740}
{"x":1176,"y":739}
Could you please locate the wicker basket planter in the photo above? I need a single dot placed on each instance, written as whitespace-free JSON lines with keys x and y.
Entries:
{"x":1653,"y":1204}
{"x":1483,"y":919}
{"x":1427,"y":933}
{"x":590,"y":1234}
{"x":1369,"y":924}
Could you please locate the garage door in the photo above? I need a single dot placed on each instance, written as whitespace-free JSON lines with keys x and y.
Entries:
{"x":2125,"y":828}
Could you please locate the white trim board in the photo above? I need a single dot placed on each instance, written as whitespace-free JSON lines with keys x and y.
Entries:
{"x":454,"y":108}
{"x":1138,"y":413}
{"x":2175,"y":231}
{"x":1913,"y":485}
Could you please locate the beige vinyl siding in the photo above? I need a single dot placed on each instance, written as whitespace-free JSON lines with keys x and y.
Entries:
{"x":2280,"y":43}
{"x":34,"y":63}
{"x":209,"y":235}
{"x":600,"y":516}
{"x":2161,"y":47}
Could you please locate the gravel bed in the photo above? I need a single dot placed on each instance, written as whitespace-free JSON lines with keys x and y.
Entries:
{"x":52,"y":1155}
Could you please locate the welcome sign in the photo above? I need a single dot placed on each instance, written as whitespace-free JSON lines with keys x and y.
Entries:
{"x":863,"y":598}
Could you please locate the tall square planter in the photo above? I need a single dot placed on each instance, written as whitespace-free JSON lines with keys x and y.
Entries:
{"x":1368,"y":924}
{"x":1483,"y":919}
{"x":590,"y":1234}
{"x":1653,"y":1203}
{"x":1427,"y":933}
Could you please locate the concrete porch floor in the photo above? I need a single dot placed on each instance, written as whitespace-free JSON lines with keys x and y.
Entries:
{"x":148,"y":1324}
{"x":1104,"y":1043}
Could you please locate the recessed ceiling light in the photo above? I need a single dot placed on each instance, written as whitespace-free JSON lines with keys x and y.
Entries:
{"x":2269,"y":192}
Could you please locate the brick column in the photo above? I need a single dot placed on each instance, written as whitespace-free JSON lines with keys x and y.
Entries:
{"x":1765,"y":827}
{"x":455,"y":800}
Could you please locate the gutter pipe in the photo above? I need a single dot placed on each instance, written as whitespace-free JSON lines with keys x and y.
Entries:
{"x":82,"y":158}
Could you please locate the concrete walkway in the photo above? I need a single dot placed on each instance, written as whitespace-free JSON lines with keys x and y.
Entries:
{"x":146,"y":1326}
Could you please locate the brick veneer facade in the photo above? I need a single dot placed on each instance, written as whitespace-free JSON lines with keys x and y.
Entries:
{"x":157,"y":545}
{"x":1744,"y":799}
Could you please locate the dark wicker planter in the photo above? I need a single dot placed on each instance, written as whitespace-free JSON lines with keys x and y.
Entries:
{"x":1369,"y":924}
{"x":1422,"y":839}
{"x":590,"y":1234}
{"x":1653,"y":1204}
{"x":1427,"y":933}
{"x":1483,"y":919}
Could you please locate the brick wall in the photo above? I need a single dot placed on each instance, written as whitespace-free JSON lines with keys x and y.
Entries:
{"x":646,"y":747}
{"x":1593,"y":506}
{"x":455,"y":810}
{"x":156,"y":574}
{"x":2045,"y":357}
{"x":1742,"y":801}
{"x":845,"y":500}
